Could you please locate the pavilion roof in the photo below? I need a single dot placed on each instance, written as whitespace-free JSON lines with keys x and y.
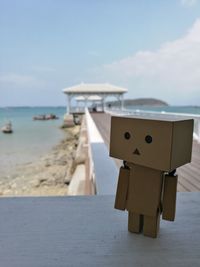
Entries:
{"x":90,"y":98}
{"x":90,"y":88}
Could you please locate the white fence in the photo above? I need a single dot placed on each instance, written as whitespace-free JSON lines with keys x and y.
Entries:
{"x":103,"y":172}
{"x":162,"y":114}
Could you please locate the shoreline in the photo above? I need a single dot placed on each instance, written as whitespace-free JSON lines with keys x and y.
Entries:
{"x":48,"y":175}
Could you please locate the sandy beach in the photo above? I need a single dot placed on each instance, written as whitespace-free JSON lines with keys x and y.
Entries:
{"x":49,"y":175}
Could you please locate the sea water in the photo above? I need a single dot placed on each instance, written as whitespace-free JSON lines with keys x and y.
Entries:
{"x":30,"y":139}
{"x":173,"y":109}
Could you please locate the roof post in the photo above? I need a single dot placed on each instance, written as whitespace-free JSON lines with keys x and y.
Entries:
{"x":122,"y":101}
{"x":103,"y":103}
{"x":68,"y":104}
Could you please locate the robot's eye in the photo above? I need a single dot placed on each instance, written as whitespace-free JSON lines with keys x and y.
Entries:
{"x":127,"y":135}
{"x":148,"y":139}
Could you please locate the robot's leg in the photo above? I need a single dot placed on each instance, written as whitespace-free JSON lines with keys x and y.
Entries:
{"x":151,"y":225}
{"x":135,"y":222}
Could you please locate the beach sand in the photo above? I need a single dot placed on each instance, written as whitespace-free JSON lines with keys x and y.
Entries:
{"x":49,"y":175}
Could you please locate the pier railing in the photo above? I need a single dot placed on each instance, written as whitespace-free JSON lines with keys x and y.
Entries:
{"x":103,"y":172}
{"x":162,"y":114}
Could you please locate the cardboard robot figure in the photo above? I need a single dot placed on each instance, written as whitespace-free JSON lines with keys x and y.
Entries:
{"x":151,"y":149}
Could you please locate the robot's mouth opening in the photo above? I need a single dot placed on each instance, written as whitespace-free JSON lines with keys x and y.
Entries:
{"x":136,"y":152}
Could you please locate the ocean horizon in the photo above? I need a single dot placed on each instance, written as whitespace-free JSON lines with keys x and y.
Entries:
{"x":172,"y":109}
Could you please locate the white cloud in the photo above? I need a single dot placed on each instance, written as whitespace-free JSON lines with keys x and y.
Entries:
{"x":189,"y":3}
{"x":173,"y":71}
{"x":15,"y":80}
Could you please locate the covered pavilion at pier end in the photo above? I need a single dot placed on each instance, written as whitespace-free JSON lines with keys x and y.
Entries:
{"x":90,"y":92}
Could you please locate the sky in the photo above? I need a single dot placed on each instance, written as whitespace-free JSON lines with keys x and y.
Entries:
{"x":152,"y":48}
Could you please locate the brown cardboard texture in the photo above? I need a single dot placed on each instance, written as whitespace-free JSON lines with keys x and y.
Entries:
{"x":151,"y":225}
{"x":169,"y":197}
{"x":122,"y":189}
{"x":144,"y":192}
{"x":157,"y":144}
{"x":135,"y":222}
{"x":149,"y":147}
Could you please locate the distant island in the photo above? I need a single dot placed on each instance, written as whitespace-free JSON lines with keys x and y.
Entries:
{"x":139,"y":102}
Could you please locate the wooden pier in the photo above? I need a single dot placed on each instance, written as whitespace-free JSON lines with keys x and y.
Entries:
{"x":189,"y":174}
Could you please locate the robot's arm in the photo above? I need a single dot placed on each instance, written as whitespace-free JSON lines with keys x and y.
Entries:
{"x":169,"y":196}
{"x":122,"y":188}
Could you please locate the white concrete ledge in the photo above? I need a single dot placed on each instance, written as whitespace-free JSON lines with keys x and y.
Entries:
{"x":87,"y":231}
{"x":105,"y":170}
{"x":93,"y":133}
{"x":77,"y":184}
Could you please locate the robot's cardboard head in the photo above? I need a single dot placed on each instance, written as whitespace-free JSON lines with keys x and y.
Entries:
{"x":158,"y":144}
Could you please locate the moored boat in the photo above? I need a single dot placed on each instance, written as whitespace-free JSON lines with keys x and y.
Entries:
{"x":45,"y":117}
{"x":7,"y":128}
